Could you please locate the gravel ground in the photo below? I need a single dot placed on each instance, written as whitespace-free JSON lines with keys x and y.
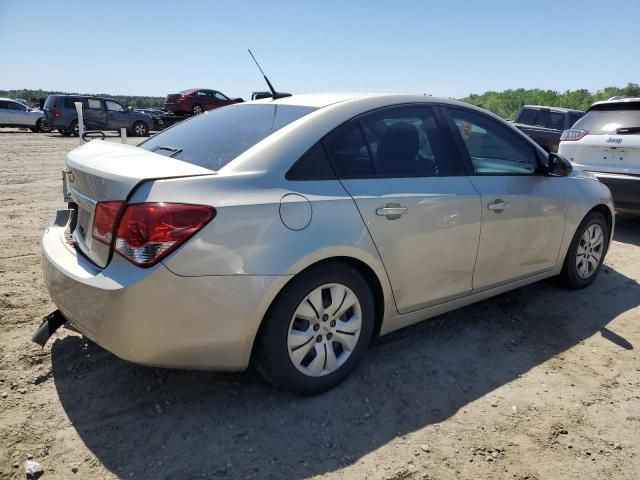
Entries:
{"x":538,"y":383}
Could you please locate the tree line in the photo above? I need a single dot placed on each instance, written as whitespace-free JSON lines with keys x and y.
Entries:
{"x":508,"y":102}
{"x":133,"y":101}
{"x":505,"y":103}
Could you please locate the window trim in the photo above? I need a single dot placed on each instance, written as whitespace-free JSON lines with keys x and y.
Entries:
{"x":466,"y":157}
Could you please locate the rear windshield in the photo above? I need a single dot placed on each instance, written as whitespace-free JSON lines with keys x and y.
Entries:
{"x":213,"y":139}
{"x":50,"y":102}
{"x":608,"y":118}
{"x":182,"y":92}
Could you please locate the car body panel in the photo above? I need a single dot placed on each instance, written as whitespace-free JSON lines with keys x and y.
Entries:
{"x":524,"y":238}
{"x":430,"y":251}
{"x":212,"y":293}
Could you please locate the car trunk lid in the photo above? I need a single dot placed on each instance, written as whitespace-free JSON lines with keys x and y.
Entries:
{"x":606,"y":153}
{"x":104,"y":171}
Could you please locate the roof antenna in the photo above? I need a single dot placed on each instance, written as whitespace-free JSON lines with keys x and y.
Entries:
{"x":275,"y":95}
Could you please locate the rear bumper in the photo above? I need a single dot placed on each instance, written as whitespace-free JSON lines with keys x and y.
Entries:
{"x":625,"y":190}
{"x":152,"y":316}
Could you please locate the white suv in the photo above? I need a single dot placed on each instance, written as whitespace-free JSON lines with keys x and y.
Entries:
{"x":606,"y":142}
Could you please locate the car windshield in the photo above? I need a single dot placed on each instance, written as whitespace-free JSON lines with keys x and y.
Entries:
{"x":213,"y":139}
{"x":608,"y":118}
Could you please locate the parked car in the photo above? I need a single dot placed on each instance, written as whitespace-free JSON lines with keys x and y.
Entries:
{"x":157,"y":116}
{"x":17,"y":114}
{"x":99,"y":113}
{"x":196,"y":101}
{"x":606,"y":142}
{"x":288,"y":233}
{"x":546,"y":124}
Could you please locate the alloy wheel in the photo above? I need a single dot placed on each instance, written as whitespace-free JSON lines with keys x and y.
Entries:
{"x":324,"y":330}
{"x":590,"y":250}
{"x":197,"y":109}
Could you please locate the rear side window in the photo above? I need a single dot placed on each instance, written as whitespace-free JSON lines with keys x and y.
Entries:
{"x":69,"y":102}
{"x":610,"y":118}
{"x":391,"y":143}
{"x":313,"y":165}
{"x":213,"y":139}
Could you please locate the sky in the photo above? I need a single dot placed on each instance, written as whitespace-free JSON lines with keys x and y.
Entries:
{"x":442,"y":48}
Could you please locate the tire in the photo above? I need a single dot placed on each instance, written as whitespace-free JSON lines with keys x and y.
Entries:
{"x":37,"y":128}
{"x":74,"y":129}
{"x":64,"y":132}
{"x":197,"y":109}
{"x":313,"y":369}
{"x":140,"y":129}
{"x":577,"y":273}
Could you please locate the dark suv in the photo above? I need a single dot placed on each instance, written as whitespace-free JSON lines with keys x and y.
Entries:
{"x":99,"y":114}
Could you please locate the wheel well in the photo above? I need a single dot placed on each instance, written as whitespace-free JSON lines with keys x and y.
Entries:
{"x":369,"y":275}
{"x":604,"y":210}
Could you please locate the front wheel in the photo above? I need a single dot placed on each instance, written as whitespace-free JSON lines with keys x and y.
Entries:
{"x":586,"y":253}
{"x":37,"y":128}
{"x":140,"y":129}
{"x":317,"y":330}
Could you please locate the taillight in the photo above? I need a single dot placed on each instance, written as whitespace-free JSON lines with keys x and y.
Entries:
{"x":57,"y":113}
{"x":148,"y":232}
{"x":104,"y":220}
{"x":572,"y":135}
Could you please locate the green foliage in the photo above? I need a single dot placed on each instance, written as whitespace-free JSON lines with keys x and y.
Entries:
{"x":33,"y":96}
{"x":507,"y":103}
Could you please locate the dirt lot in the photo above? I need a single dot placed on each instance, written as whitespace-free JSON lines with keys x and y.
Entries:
{"x":539,"y":383}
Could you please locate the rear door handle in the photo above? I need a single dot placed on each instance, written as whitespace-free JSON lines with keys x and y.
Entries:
{"x":498,"y":205}
{"x":392,"y":211}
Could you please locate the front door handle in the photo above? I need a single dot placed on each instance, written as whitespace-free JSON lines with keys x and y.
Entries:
{"x":498,"y":205}
{"x":392,"y":211}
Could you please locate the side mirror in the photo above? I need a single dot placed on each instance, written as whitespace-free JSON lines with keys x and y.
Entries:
{"x":558,"y":166}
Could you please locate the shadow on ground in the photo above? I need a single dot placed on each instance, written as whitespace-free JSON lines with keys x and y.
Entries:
{"x":153,"y":423}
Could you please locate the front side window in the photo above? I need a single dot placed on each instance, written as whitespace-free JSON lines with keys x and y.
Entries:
{"x":17,"y":106}
{"x":492,"y":147}
{"x":220,"y":96}
{"x":393,"y":142}
{"x":94,"y":104}
{"x":114,"y":106}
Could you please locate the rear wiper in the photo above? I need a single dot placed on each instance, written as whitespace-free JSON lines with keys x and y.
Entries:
{"x":627,"y":130}
{"x":174,"y":150}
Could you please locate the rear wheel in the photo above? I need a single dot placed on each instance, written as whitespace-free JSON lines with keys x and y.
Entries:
{"x":586,"y":253}
{"x":317,"y":330}
{"x":140,"y":129}
{"x":64,"y":132}
{"x":197,"y":109}
{"x":74,"y":129}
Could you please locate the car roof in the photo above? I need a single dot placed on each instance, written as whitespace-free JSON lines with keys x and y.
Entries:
{"x":616,"y":100}
{"x":10,"y":99}
{"x":554,"y":109}
{"x":321,"y":100}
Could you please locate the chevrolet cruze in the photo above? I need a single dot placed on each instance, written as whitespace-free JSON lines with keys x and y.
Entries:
{"x":288,"y":233}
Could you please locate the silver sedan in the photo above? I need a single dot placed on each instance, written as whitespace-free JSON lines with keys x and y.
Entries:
{"x":289,"y":233}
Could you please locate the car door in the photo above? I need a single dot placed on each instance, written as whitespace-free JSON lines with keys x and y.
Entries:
{"x":117,"y":116}
{"x":95,"y":115}
{"x":523,"y":209}
{"x":5,"y":113}
{"x":205,"y":99}
{"x":19,"y":114}
{"x":421,"y":209}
